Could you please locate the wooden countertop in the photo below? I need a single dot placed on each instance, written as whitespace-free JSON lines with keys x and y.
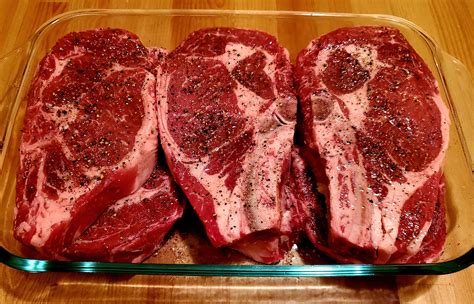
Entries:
{"x":450,"y":23}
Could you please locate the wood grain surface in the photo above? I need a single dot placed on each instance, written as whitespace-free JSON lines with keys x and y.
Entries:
{"x":451,"y":25}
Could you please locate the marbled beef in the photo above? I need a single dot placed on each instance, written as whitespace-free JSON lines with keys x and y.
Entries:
{"x":375,"y":133}
{"x":226,"y":118}
{"x":89,"y":137}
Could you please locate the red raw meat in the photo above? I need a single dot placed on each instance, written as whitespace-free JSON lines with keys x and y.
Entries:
{"x":135,"y":226}
{"x":89,"y":138}
{"x":227,"y":116}
{"x":375,"y":133}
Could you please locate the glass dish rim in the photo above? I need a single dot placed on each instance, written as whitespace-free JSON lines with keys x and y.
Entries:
{"x":322,"y":270}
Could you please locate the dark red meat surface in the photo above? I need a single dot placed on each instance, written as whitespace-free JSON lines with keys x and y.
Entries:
{"x":375,"y":134}
{"x":134,"y":227}
{"x":89,"y":137}
{"x":227,"y":115}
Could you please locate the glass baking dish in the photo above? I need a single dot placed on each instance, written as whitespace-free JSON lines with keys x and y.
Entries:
{"x":186,"y":251}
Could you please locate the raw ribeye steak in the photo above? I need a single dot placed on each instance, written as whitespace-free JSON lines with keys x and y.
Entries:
{"x":226,"y":117}
{"x":375,"y":133}
{"x":135,"y":226}
{"x":89,"y":135}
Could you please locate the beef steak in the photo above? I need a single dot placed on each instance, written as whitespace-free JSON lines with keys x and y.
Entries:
{"x":375,"y":134}
{"x":226,"y":118}
{"x":89,"y":138}
{"x":134,"y":227}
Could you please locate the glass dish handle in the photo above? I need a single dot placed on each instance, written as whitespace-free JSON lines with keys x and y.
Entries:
{"x":12,"y":66}
{"x":460,"y":87}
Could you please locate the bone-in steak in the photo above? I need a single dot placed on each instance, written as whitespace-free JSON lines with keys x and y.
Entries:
{"x":135,"y":226}
{"x":89,"y":138}
{"x":227,"y":115}
{"x":376,"y":132}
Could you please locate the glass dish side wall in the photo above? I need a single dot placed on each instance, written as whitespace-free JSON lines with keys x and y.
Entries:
{"x":166,"y":28}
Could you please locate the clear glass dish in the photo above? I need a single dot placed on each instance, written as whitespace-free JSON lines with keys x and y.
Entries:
{"x":187,"y":251}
